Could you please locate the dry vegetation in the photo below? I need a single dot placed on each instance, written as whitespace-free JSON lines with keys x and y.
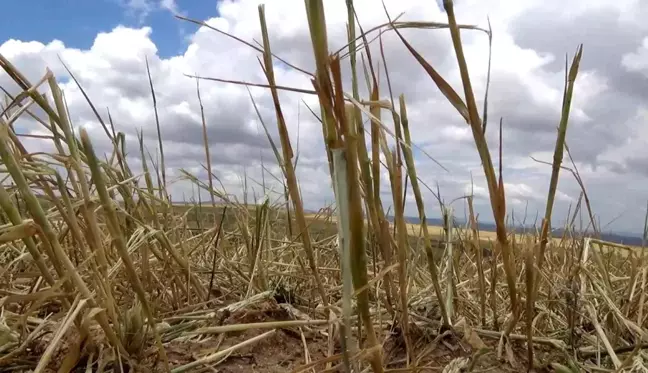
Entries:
{"x":89,"y":284}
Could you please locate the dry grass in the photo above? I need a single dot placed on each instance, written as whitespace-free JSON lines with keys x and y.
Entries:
{"x":100,"y":271}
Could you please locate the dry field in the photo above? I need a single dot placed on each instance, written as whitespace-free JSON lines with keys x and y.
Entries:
{"x":101,"y":272}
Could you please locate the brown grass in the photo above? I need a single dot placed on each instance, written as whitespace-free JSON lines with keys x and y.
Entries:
{"x":100,"y":271}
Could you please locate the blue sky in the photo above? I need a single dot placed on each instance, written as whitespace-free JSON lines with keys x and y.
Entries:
{"x":77,"y":22}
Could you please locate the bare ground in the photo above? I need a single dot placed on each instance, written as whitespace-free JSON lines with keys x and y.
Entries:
{"x":292,"y":349}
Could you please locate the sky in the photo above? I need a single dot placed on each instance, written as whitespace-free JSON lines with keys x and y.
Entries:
{"x":105,"y":44}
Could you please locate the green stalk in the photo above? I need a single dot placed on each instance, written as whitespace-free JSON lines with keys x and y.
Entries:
{"x":480,"y":265}
{"x":374,"y":204}
{"x":206,"y":144}
{"x":159,"y":133}
{"x":427,"y":241}
{"x":558,"y":156}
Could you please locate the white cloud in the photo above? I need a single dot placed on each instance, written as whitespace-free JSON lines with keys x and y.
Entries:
{"x":141,"y":9}
{"x":638,"y":59}
{"x":138,"y":8}
{"x":170,"y":5}
{"x":527,"y":85}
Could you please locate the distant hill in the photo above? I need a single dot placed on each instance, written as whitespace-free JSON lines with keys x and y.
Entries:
{"x":620,"y":238}
{"x":629,"y":239}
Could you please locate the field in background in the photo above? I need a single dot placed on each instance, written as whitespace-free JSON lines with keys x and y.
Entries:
{"x":101,"y":272}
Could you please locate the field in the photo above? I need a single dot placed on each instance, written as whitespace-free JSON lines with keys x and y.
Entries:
{"x":101,"y":271}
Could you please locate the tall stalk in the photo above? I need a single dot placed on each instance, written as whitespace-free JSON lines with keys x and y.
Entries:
{"x":480,"y":266}
{"x":427,"y":240}
{"x":342,"y":199}
{"x":448,"y":230}
{"x":289,"y":169}
{"x":210,"y":176}
{"x":374,"y":204}
{"x":558,"y":156}
{"x":495,"y":188}
{"x":159,"y":132}
{"x":403,"y":248}
{"x":357,"y":237}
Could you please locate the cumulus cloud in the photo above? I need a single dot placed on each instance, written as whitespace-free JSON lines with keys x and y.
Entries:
{"x":170,"y":5}
{"x":141,"y":9}
{"x":531,"y":38}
